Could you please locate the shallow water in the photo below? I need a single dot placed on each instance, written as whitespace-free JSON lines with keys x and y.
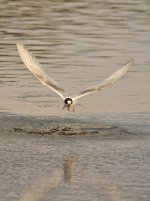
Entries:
{"x":108,"y":166}
{"x":79,"y":43}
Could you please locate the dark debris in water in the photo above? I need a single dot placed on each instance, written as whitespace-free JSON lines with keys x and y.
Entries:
{"x":65,"y":130}
{"x":55,"y":127}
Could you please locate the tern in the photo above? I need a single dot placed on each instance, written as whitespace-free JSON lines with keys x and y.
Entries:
{"x":69,"y":101}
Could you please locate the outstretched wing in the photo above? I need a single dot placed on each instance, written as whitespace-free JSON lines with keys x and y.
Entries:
{"x":107,"y":82}
{"x":35,"y":67}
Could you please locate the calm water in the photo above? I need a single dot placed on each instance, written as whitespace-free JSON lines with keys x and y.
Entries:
{"x":79,"y":43}
{"x":75,"y":168}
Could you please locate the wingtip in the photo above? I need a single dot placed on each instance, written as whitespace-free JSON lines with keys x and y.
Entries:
{"x":20,"y":43}
{"x":131,"y":61}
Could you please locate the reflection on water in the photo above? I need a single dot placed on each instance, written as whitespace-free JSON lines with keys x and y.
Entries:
{"x":79,"y":43}
{"x":74,"y":168}
{"x":101,"y":186}
{"x":37,"y":190}
{"x":69,"y":169}
{"x":47,"y":183}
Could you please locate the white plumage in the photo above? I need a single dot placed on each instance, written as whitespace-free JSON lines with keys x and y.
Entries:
{"x":69,"y":102}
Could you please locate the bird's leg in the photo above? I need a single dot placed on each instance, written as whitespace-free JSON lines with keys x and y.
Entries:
{"x":70,"y":108}
{"x":73,"y":108}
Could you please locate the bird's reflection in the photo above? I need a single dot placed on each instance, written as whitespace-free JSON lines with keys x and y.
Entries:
{"x":68,"y":174}
{"x":38,"y":189}
{"x":69,"y":169}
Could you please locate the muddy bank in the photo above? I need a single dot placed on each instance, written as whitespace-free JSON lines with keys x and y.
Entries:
{"x":55,"y":127}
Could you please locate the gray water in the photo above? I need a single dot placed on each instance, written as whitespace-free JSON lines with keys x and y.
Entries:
{"x":79,"y":44}
{"x":74,"y":168}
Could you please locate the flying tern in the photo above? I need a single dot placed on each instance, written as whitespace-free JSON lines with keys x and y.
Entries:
{"x":69,"y":101}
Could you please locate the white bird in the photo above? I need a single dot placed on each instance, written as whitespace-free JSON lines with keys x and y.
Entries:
{"x":69,"y":102}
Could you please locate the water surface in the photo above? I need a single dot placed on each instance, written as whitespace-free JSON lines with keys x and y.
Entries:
{"x":79,"y":44}
{"x":105,"y":167}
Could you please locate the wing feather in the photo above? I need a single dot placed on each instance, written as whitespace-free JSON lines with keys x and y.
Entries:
{"x":35,"y":67}
{"x":107,"y":82}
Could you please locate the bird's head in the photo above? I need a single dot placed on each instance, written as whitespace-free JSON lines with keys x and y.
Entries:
{"x":69,"y":103}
